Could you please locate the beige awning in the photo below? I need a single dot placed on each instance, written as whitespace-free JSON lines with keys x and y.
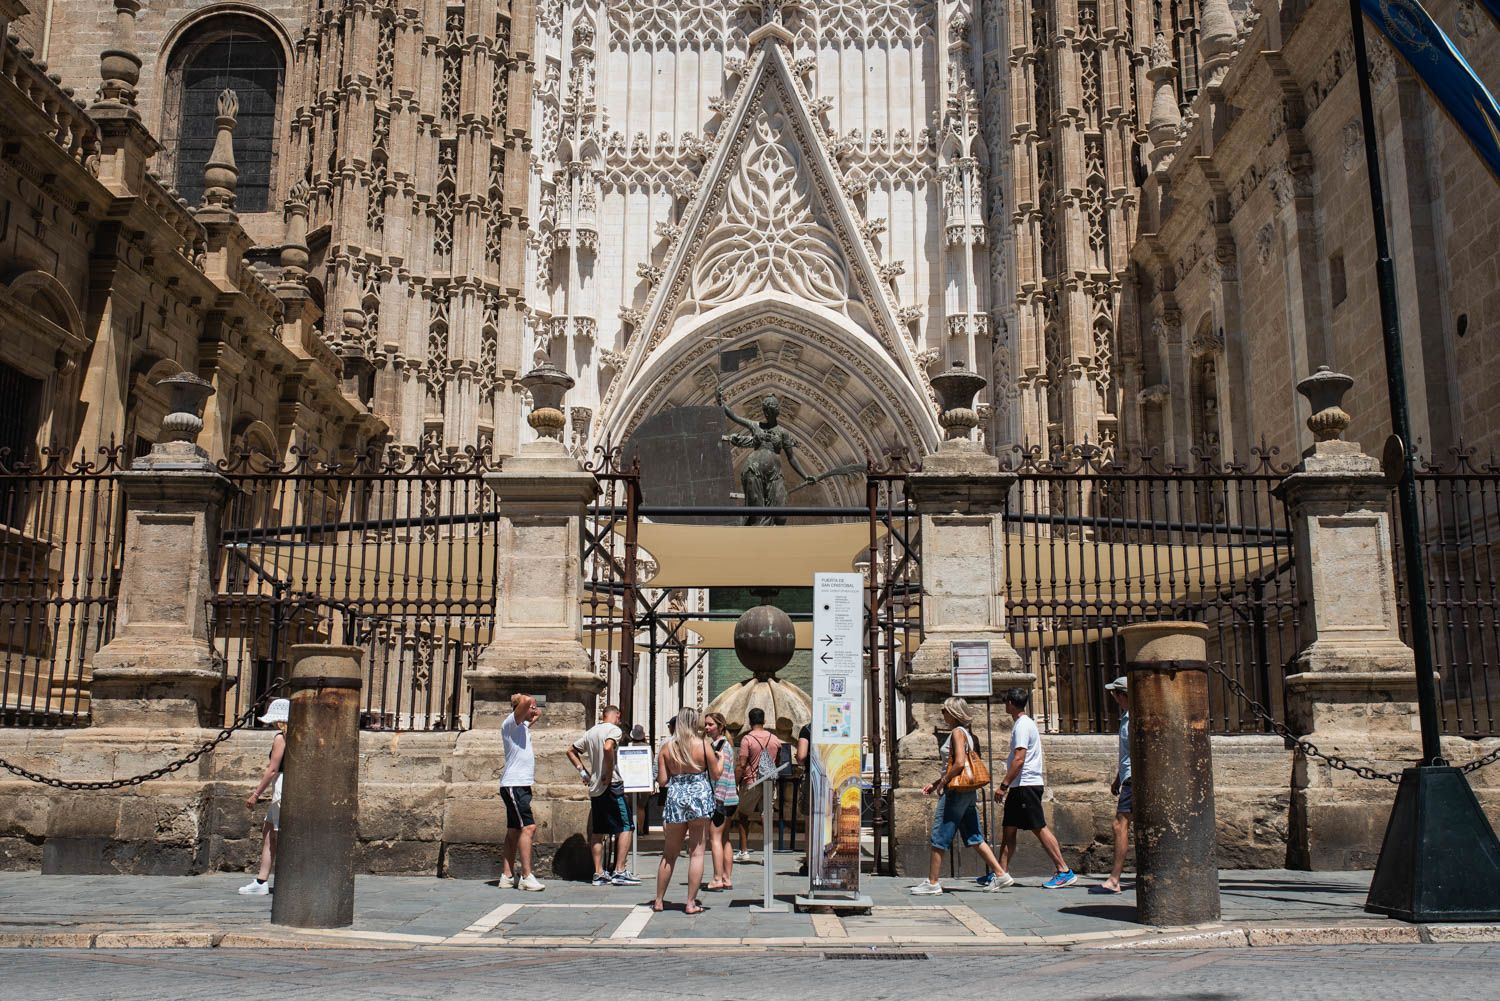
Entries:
{"x":751,"y":555}
{"x":1047,"y":576}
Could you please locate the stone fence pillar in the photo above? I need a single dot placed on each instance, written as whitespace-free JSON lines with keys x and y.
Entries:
{"x":1352,"y":688}
{"x":160,"y":669}
{"x":960,"y":495}
{"x":543,"y":495}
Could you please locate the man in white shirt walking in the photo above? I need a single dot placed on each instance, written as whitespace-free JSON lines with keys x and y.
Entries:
{"x":1021,"y":791}
{"x":516,"y":779}
{"x":609,"y":814}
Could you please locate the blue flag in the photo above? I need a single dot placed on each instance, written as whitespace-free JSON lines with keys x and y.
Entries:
{"x":1412,"y":32}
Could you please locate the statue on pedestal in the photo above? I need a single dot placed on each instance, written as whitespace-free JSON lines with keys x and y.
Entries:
{"x":762,"y":479}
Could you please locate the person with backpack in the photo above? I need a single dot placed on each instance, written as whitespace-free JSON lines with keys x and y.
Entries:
{"x":759,"y":751}
{"x":957,"y":788}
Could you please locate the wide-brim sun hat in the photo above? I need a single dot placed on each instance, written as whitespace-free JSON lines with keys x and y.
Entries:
{"x":279,"y":711}
{"x":1120,"y":684}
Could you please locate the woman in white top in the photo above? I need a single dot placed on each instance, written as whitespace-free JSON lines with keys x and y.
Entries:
{"x":277,"y":714}
{"x":688,"y":768}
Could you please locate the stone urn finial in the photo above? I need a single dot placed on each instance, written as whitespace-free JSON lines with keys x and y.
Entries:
{"x":294,"y":252}
{"x":221,"y":175}
{"x":547,"y":385}
{"x":119,"y":66}
{"x":1325,"y":390}
{"x":178,"y":445}
{"x":956,"y":389}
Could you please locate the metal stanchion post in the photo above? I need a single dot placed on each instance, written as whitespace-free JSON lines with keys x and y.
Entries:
{"x":769,"y":903}
{"x":319,"y":807}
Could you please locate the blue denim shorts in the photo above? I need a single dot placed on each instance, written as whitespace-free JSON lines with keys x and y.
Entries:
{"x":1126,"y":803}
{"x":957,"y":813}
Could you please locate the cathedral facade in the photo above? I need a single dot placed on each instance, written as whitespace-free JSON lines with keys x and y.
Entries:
{"x":670,"y":199}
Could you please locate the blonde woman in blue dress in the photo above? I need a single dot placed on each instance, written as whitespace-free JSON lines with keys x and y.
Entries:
{"x":688,"y":768}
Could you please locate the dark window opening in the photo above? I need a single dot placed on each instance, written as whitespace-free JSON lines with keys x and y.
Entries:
{"x":250,"y":64}
{"x":20,"y":406}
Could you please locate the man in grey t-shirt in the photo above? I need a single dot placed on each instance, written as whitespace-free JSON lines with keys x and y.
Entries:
{"x":1120,"y":787}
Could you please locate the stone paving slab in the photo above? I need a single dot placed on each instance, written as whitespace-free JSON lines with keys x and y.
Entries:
{"x":1265,"y":908}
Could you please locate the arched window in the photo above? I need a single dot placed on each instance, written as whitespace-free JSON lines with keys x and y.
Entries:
{"x":242,"y":54}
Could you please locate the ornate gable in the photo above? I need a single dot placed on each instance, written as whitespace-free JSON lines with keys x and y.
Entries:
{"x":770,"y":214}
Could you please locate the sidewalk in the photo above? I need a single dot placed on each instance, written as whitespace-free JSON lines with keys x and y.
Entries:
{"x":1263,"y":907}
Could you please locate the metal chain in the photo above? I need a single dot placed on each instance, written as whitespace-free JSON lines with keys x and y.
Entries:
{"x":1307,"y":746}
{"x":1478,"y":763}
{"x":156,"y":773}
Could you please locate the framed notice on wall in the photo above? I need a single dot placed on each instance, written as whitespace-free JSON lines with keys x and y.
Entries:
{"x":971,"y":669}
{"x":636,"y":768}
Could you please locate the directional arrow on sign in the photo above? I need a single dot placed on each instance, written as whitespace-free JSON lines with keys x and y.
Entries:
{"x":825,"y":658}
{"x":828,"y":641}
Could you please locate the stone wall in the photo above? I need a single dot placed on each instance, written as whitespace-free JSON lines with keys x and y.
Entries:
{"x":1254,"y":259}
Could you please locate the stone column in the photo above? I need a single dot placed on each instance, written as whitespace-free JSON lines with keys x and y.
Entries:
{"x":960,"y":495}
{"x":1352,"y":689}
{"x":160,"y":669}
{"x":543,"y":494}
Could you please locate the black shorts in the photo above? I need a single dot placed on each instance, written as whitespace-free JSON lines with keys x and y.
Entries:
{"x":1023,"y":809}
{"x":609,"y":813}
{"x":517,"y":801}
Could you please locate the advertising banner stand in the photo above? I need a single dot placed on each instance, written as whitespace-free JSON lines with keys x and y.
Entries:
{"x":836,"y":783}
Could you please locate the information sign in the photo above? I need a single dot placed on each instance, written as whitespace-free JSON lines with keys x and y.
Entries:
{"x":971,"y":669}
{"x":838,"y":699}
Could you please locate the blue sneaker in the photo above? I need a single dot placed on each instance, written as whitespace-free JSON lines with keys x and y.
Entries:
{"x":1065,"y":878}
{"x":986,"y":881}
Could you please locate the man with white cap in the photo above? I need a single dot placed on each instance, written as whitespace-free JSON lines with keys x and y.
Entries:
{"x":1120,"y":787}
{"x":276,"y":715}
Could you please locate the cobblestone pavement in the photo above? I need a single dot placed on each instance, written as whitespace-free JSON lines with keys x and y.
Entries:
{"x":1411,"y":973}
{"x":420,"y":910}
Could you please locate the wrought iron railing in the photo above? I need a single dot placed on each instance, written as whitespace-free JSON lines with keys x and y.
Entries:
{"x":1459,"y":500}
{"x":61,"y":527}
{"x":1096,"y":542}
{"x":393,"y":552}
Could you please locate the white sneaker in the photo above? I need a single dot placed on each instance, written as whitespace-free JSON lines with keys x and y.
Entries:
{"x":511,"y":882}
{"x":742,"y":856}
{"x":255,"y":888}
{"x":926,"y":889}
{"x":531,"y":883}
{"x":1001,"y":882}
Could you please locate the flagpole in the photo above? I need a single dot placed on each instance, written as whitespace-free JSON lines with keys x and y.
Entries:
{"x":1395,"y":377}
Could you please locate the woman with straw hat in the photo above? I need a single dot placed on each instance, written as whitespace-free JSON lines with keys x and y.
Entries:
{"x":276,"y":714}
{"x":957,"y":810}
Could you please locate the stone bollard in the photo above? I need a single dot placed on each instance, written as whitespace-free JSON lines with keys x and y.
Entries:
{"x":320,"y":802}
{"x":1172,"y":773}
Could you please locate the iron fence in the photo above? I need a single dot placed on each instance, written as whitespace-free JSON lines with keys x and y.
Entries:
{"x":61,"y":527}
{"x":1096,"y":542}
{"x":1459,"y":515}
{"x":392,"y":552}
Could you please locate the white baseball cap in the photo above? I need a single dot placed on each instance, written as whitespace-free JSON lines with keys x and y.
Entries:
{"x":278,"y":711}
{"x":1118,"y":685}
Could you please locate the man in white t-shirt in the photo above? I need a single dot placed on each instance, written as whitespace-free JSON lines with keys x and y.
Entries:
{"x":609,"y":814}
{"x":1021,"y":791}
{"x":516,"y":778}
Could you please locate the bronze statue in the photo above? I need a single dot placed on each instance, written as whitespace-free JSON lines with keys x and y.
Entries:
{"x":762,"y":479}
